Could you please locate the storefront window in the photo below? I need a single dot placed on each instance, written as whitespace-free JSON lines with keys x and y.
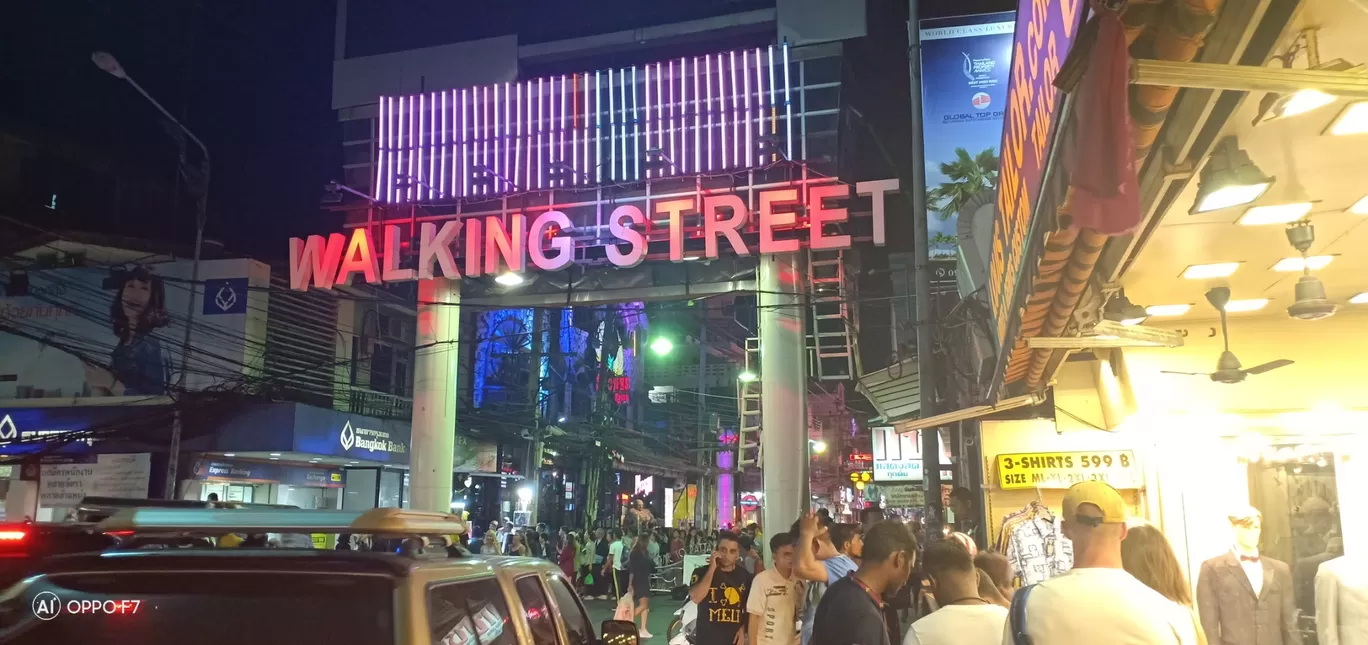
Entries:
{"x":359,"y":489}
{"x":391,"y":485}
{"x":1297,"y":493}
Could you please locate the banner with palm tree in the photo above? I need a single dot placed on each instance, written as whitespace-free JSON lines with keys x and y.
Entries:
{"x":965,"y":62}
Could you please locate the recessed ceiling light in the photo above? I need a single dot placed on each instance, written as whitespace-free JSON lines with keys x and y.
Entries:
{"x":1314,"y":263}
{"x":1360,"y":207}
{"x":1167,"y":310}
{"x":352,"y":463}
{"x":229,"y":454}
{"x":275,"y":458}
{"x":509,"y":279}
{"x":1207,"y":271}
{"x":1353,"y":120}
{"x":1361,"y":299}
{"x":1237,"y":306}
{"x":275,"y":454}
{"x":1275,"y":214}
{"x":1304,"y":101}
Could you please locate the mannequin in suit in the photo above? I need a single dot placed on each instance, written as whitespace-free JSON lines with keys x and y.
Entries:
{"x":1244,"y":598}
{"x":1342,"y":601}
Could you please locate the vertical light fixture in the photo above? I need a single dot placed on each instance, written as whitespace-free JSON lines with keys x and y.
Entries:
{"x":440,"y":178}
{"x":774,"y":95}
{"x":598,"y":125}
{"x":574,"y":131}
{"x":612,"y":129}
{"x":494,"y":142}
{"x":409,"y":194}
{"x":722,"y":106}
{"x":526,"y":126}
{"x":552,"y":130}
{"x":698,"y":121}
{"x":517,"y":133}
{"x":401,"y":158}
{"x":432,"y":149}
{"x":647,"y":72}
{"x":393,"y":155}
{"x":451,"y":152}
{"x":562,"y":117}
{"x":418,"y":185}
{"x":380,"y":153}
{"x":750,"y":125}
{"x":671,"y":83}
{"x":541,"y":145}
{"x":660,"y":114}
{"x":585,"y":85}
{"x":788,"y":103}
{"x":636,"y":130}
{"x":735,"y":114}
{"x":486,"y":187}
{"x":506,"y":141}
{"x":465,"y":138}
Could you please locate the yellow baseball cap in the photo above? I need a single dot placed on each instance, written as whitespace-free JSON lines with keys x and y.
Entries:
{"x":1099,"y":494}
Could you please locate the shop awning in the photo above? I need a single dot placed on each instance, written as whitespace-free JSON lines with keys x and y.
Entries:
{"x":966,"y":414}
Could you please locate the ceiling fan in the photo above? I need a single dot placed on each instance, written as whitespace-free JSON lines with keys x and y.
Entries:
{"x":1228,"y":367}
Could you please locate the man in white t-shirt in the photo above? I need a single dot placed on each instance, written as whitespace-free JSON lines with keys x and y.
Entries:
{"x":776,"y":597}
{"x":1098,"y":601}
{"x":617,"y":555}
{"x":964,"y":618}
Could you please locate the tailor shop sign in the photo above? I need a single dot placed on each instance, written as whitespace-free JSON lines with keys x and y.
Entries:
{"x":493,"y":244}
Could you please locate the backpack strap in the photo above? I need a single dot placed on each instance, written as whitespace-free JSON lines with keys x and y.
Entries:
{"x":1018,"y":616}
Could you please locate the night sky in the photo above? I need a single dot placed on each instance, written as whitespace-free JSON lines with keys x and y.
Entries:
{"x":253,"y":79}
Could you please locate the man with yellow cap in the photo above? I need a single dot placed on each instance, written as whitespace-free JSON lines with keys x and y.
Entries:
{"x":1097,"y":601}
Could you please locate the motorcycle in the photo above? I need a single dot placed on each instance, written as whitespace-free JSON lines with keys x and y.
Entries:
{"x":681,"y":629}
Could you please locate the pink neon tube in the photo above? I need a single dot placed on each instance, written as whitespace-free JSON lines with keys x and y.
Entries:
{"x":750,"y":127}
{"x":722,"y":114}
{"x":561,"y":123}
{"x":418,"y":185}
{"x":648,"y":113}
{"x":391,"y":154}
{"x":585,"y":138}
{"x":432,"y":150}
{"x":735,"y":114}
{"x":698,"y":121}
{"x":506,"y":142}
{"x":486,"y":187}
{"x":673,"y":124}
{"x":440,"y":178}
{"x":380,"y":150}
{"x":494,"y":142}
{"x":465,"y":160}
{"x":517,"y":134}
{"x":527,"y":137}
{"x":452,"y":190}
{"x":660,"y":114}
{"x":598,"y":125}
{"x":574,"y":137}
{"x":541,"y":149}
{"x":409,"y":169}
{"x":707,"y":82}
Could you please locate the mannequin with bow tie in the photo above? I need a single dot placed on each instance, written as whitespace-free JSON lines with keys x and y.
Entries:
{"x":1243,"y":597}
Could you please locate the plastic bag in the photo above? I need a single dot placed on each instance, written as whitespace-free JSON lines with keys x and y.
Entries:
{"x":624,"y":608}
{"x":588,"y":579}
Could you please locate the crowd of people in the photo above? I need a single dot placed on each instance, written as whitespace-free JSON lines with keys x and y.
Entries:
{"x":848,"y":584}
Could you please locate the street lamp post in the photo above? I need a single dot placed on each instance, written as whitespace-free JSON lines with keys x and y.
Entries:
{"x":107,"y":62}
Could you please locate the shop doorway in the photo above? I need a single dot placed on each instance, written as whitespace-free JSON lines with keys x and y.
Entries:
{"x":1299,"y":498}
{"x":244,"y":493}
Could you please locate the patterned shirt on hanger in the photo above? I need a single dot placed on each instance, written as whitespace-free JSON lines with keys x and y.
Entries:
{"x":1038,"y":550}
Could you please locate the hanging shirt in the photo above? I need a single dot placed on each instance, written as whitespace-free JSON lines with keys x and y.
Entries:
{"x":1039,"y":551}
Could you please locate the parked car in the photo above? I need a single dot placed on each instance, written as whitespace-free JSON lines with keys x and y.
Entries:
{"x":414,"y":593}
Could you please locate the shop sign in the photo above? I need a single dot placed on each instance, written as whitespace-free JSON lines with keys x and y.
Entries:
{"x":903,"y":496}
{"x":1044,"y":32}
{"x":65,"y":484}
{"x":327,"y":432}
{"x":898,"y":457}
{"x":493,"y":244}
{"x":1053,"y":470}
{"x":260,"y":472}
{"x":749,"y":501}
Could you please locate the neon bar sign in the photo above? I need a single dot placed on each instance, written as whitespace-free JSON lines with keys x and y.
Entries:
{"x":494,"y":244}
{"x":686,"y":116}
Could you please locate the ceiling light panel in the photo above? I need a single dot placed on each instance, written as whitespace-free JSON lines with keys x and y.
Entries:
{"x":1208,"y":271}
{"x":1353,"y":120}
{"x":1237,"y":306}
{"x":1360,"y":299}
{"x":1360,"y":207}
{"x":1275,"y":214}
{"x":1167,"y":310}
{"x":1314,"y":263}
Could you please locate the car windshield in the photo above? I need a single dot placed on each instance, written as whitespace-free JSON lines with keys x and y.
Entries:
{"x":201,"y":607}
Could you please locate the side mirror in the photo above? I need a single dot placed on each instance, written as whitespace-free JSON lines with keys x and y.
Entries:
{"x":619,"y":632}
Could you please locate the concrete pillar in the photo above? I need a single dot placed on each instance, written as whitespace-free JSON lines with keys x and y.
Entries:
{"x":436,"y":361}
{"x":783,"y":395}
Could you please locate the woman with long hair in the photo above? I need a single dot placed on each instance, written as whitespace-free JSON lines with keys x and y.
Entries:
{"x":490,"y":546}
{"x":584,"y":560}
{"x":516,"y":546}
{"x":135,"y":365}
{"x":639,"y":566}
{"x":566,"y":557}
{"x":1147,"y":555}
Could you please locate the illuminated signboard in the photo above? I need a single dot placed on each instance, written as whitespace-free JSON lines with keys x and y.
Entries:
{"x":1044,"y":31}
{"x":787,"y":218}
{"x":690,"y":115}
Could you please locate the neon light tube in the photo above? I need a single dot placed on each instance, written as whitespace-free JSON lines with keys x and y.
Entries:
{"x":774,"y":97}
{"x":612,"y":128}
{"x":494,"y":141}
{"x":451,"y":152}
{"x":380,"y":150}
{"x":788,"y":103}
{"x":637,"y":146}
{"x":527,"y":138}
{"x":648,"y":111}
{"x":707,"y":81}
{"x":399,"y":142}
{"x":432,"y":150}
{"x":507,"y":141}
{"x":585,"y":176}
{"x":750,"y":143}
{"x":517,"y":134}
{"x":440,"y":177}
{"x":409,"y":195}
{"x":552,"y":125}
{"x":418,"y":185}
{"x":698,"y":122}
{"x":574,"y":134}
{"x":722,"y":114}
{"x":759,"y":110}
{"x":626,"y":133}
{"x":672,"y":106}
{"x":562,"y":117}
{"x":465,"y":159}
{"x":598,"y":124}
{"x":486,"y":187}
{"x":392,"y":155}
{"x":660,"y":114}
{"x":541,"y":128}
{"x":735,"y":114}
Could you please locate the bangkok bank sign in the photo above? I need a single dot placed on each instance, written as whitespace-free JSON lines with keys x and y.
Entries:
{"x":786,"y":219}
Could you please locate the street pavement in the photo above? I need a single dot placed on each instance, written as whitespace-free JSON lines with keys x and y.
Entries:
{"x":662,"y":612}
